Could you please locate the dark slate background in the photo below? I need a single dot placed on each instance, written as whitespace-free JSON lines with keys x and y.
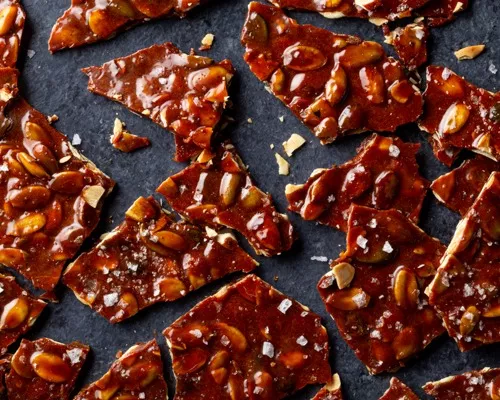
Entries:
{"x":54,"y":84}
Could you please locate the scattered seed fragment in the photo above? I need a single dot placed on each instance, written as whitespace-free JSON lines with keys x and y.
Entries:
{"x":283,"y":165}
{"x":207,"y":41}
{"x":469,"y":52}
{"x":293,"y":143}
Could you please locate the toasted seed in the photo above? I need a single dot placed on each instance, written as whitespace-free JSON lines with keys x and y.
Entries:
{"x":219,"y":375}
{"x":454,"y":119}
{"x":141,"y":210}
{"x":168,"y":188}
{"x":220,"y":359}
{"x":67,"y":182}
{"x":386,"y":189}
{"x":235,"y":388}
{"x":277,"y":81}
{"x":93,"y":194}
{"x":406,"y":288}
{"x":344,"y":274}
{"x":12,"y":257}
{"x":128,"y":303}
{"x":292,"y":359}
{"x":30,"y":197}
{"x":31,"y":165}
{"x":255,"y":29}
{"x":469,"y":52}
{"x":14,"y":313}
{"x":7,"y":19}
{"x":44,"y":155}
{"x":35,"y":132}
{"x":303,"y":58}
{"x":356,"y":56}
{"x":172,"y":288}
{"x":405,"y":343}
{"x":51,"y":367}
{"x":469,"y":320}
{"x":401,"y":91}
{"x":190,"y":361}
{"x":336,"y":87}
{"x":236,"y":337}
{"x":349,"y":299}
{"x":229,"y":187}
{"x":122,"y":7}
{"x":29,"y":224}
{"x":451,"y":85}
{"x":171,"y":240}
{"x":492,"y":312}
{"x":252,"y":198}
{"x":207,"y":77}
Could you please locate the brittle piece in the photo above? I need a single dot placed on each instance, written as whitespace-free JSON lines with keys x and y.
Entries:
{"x":459,"y":188}
{"x":459,"y":115}
{"x":90,"y":21}
{"x":384,"y":174}
{"x":185,"y":93}
{"x":218,"y":190}
{"x":19,"y":311}
{"x":398,"y":391}
{"x":331,"y":391}
{"x":150,"y":258}
{"x":376,"y":9}
{"x":465,"y":288}
{"x":12,"y":18}
{"x":335,"y":84}
{"x":125,"y":141}
{"x":375,"y":289}
{"x":481,"y":385}
{"x":51,"y":197}
{"x":248,"y":339}
{"x":137,"y":374}
{"x":45,"y":369}
{"x":439,"y":12}
{"x":410,"y":44}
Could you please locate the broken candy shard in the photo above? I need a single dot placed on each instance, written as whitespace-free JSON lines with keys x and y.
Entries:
{"x":398,"y":391}
{"x":45,"y":369}
{"x":375,"y":291}
{"x":335,"y":84}
{"x":19,"y":311}
{"x":150,"y":258}
{"x":483,"y":384}
{"x":55,"y":202}
{"x":459,"y":188}
{"x":410,"y":43}
{"x":139,"y":371}
{"x":218,"y":191}
{"x":384,"y":174}
{"x":90,"y":21}
{"x":386,"y":9}
{"x":184,"y":93}
{"x":460,"y":115}
{"x":248,"y":335}
{"x":465,"y":288}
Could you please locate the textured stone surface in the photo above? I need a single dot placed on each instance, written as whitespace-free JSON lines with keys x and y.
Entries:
{"x":54,"y":84}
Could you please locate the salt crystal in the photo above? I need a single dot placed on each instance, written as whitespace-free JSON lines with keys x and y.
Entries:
{"x":361,"y":241}
{"x":76,"y":140}
{"x":492,"y":68}
{"x":387,"y":248}
{"x":74,"y":355}
{"x":394,"y":151}
{"x":360,"y":300}
{"x":302,"y":341}
{"x":268,"y":349}
{"x":31,"y":53}
{"x":285,"y":305}
{"x":319,"y":258}
{"x":196,"y":333}
{"x":110,"y":299}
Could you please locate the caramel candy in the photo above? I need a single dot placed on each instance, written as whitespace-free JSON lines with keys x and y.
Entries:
{"x":218,"y":191}
{"x":384,"y":174}
{"x":465,"y":288}
{"x":51,"y":197}
{"x":45,"y":369}
{"x":383,"y":314}
{"x":137,"y":374}
{"x":335,"y":84}
{"x":151,"y":258}
{"x":187,"y":96}
{"x":247,"y":338}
